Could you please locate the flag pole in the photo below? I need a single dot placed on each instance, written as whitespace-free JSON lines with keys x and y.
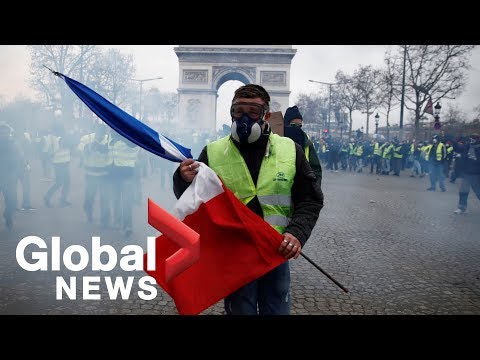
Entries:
{"x":324,"y":273}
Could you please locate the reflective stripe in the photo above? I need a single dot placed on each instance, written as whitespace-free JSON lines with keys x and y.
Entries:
{"x":277,"y":220}
{"x":124,"y":155}
{"x":275,"y":178}
{"x":60,"y":154}
{"x":359,"y":150}
{"x":277,"y":199}
{"x":48,"y":143}
{"x":84,"y":140}
{"x":396,"y":152}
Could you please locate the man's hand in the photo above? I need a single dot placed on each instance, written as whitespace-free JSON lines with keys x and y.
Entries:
{"x":188,"y":169}
{"x":290,"y":246}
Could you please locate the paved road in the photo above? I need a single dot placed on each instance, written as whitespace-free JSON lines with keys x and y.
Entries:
{"x":397,"y":248}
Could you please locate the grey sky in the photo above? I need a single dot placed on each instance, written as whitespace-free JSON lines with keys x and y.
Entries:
{"x":317,"y":62}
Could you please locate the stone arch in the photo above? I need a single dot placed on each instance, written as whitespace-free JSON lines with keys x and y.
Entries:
{"x":203,"y":69}
{"x":222,"y":74}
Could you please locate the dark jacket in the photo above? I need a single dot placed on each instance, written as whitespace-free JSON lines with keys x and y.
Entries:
{"x":307,"y":194}
{"x":468,"y":160}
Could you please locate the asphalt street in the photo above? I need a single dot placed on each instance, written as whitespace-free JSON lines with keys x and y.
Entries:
{"x":397,"y":248}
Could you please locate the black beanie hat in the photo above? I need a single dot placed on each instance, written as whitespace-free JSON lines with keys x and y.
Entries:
{"x":292,"y":113}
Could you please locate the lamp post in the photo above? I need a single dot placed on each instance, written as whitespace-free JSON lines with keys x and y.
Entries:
{"x":340,"y":121}
{"x":436,"y":113}
{"x":377,"y":119}
{"x":141,"y":81}
{"x":329,"y":99}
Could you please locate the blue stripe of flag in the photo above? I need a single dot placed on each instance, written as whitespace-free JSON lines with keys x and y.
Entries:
{"x":126,"y":125}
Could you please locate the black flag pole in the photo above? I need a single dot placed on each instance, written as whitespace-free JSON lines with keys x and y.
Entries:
{"x":56,"y":73}
{"x":324,"y":273}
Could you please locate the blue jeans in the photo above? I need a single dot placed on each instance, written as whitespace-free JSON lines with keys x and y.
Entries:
{"x":436,"y":174}
{"x":271,"y":292}
{"x":468,"y":180}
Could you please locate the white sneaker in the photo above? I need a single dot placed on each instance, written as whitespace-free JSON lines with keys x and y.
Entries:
{"x":460,"y":211}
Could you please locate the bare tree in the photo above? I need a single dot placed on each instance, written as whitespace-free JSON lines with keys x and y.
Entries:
{"x":70,"y":60}
{"x":368,"y":81}
{"x":390,"y":87}
{"x":347,"y":95}
{"x":111,"y":74}
{"x":313,"y":108}
{"x":432,"y":71}
{"x":161,"y":106}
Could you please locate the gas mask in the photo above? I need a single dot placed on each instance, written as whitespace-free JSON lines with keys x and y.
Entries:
{"x":247,"y":119}
{"x":246,"y":130}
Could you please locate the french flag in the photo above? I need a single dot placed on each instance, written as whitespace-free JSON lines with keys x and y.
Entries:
{"x":234,"y":245}
{"x":126,"y":125}
{"x":214,"y":244}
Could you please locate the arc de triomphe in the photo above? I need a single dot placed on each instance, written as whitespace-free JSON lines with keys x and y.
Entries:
{"x":204,"y":68}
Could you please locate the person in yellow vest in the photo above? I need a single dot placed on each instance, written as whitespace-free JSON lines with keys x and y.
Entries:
{"x":352,"y":159}
{"x":96,"y":159}
{"x":397,"y":157}
{"x":255,"y":155}
{"x":60,"y":148}
{"x":377,"y":156}
{"x":386,"y":157}
{"x":424,"y":158}
{"x":436,"y":155}
{"x":294,"y":118}
{"x":359,"y":156}
{"x":416,"y":156}
{"x":121,"y":178}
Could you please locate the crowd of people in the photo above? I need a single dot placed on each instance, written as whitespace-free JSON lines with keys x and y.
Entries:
{"x":113,"y":168}
{"x":443,"y":158}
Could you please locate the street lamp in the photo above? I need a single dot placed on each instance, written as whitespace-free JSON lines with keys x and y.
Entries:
{"x":377,"y":119}
{"x":329,"y":98}
{"x":340,"y":121}
{"x":436,"y":112}
{"x":141,"y":81}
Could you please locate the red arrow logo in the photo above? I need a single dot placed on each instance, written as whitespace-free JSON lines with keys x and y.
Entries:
{"x":187,"y":239}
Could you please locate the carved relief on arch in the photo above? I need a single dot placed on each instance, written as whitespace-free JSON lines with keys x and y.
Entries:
{"x":273,"y":78}
{"x":195,"y":76}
